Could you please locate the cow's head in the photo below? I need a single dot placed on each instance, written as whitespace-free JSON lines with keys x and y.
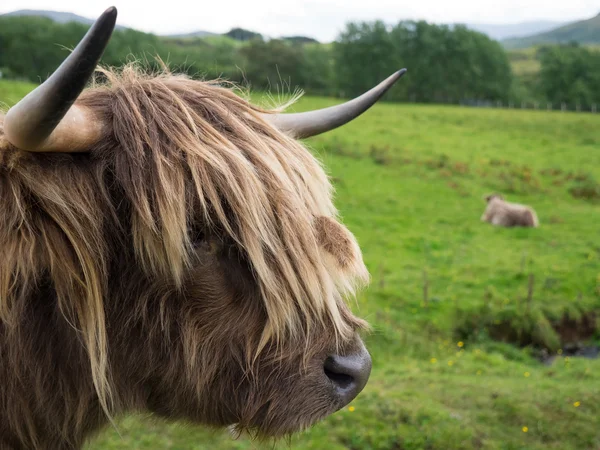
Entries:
{"x":490,"y":197}
{"x":192,"y":240}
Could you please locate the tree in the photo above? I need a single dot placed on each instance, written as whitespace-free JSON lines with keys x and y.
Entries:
{"x":364,"y":55}
{"x":273,"y":63}
{"x":570,"y":74}
{"x":240,"y":34}
{"x":445,"y":64}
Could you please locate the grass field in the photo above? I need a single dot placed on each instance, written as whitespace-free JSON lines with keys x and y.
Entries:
{"x":12,"y":91}
{"x":410,"y":182}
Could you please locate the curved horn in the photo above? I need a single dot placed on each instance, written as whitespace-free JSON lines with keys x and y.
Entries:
{"x":44,"y":120}
{"x":306,"y":124}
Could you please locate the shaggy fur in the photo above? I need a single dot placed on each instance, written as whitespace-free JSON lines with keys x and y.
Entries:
{"x":505,"y":214}
{"x":191,"y":264}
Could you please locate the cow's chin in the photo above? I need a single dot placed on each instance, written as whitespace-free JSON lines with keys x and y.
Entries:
{"x":290,"y":412}
{"x":289,"y":402}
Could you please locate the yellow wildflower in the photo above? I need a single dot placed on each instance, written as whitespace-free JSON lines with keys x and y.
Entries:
{"x":433,"y":360}
{"x":527,"y":374}
{"x":525,"y":429}
{"x":577,"y":404}
{"x":351,"y":408}
{"x":460,"y":344}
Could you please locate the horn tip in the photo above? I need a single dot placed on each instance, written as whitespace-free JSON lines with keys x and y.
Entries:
{"x":394,"y":77}
{"x":110,"y":14}
{"x":107,"y":20}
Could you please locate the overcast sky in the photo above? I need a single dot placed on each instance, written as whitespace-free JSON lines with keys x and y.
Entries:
{"x":322,"y":19}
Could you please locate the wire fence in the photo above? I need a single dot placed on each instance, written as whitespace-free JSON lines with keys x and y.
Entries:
{"x":588,"y":107}
{"x":549,"y":106}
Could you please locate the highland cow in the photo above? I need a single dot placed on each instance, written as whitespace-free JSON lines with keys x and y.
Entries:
{"x":505,"y":214}
{"x":169,"y":247}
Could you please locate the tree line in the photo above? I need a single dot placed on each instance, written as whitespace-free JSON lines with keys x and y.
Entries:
{"x":569,"y":74}
{"x":446,"y":63}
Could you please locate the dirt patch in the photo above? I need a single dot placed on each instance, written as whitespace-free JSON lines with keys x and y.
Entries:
{"x":551,"y":172}
{"x":531,"y":327}
{"x":584,"y":186}
{"x":381,"y":155}
{"x":588,"y":191}
{"x":571,"y":333}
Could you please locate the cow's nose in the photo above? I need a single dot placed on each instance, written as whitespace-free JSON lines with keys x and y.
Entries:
{"x":349,"y":373}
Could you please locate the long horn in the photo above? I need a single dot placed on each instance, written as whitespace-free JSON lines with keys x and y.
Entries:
{"x":46,"y":120}
{"x":306,"y":124}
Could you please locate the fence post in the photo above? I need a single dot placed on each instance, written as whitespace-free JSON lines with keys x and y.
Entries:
{"x":425,"y":288}
{"x":562,"y":106}
{"x":530,"y":291}
{"x":499,"y":103}
{"x":510,"y":105}
{"x":535,"y":105}
{"x":549,"y":106}
{"x":578,"y":107}
{"x":593,"y":108}
{"x":522,"y":105}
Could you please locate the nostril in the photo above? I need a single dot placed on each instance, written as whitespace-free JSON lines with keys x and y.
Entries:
{"x":340,"y":379}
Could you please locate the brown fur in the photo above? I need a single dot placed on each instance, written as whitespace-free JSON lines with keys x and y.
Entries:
{"x":191,"y":264}
{"x":505,"y":214}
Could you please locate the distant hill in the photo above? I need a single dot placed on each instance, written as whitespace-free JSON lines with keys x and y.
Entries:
{"x":65,"y":17}
{"x":57,"y":16}
{"x":583,"y":32}
{"x":194,"y":34}
{"x":505,"y":31}
{"x":512,"y":36}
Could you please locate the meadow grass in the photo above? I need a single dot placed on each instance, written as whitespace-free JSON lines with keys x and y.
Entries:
{"x":410,"y":182}
{"x":11,"y":91}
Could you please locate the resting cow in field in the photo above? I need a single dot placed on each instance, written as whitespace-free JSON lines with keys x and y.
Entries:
{"x":505,"y":214}
{"x":168,"y":247}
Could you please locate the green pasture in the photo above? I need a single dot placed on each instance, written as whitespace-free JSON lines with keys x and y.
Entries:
{"x":459,"y":308}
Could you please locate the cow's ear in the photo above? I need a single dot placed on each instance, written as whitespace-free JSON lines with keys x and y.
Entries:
{"x":336,"y":240}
